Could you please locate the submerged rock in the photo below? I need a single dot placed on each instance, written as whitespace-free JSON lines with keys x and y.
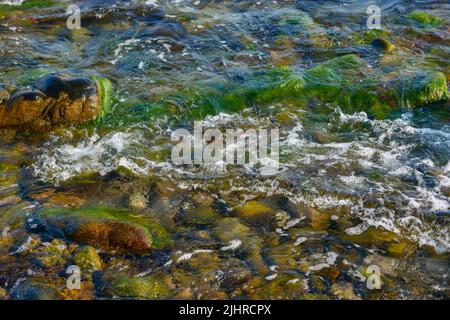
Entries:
{"x":112,"y":230}
{"x":229,"y":229}
{"x":29,"y":290}
{"x":255,"y":211}
{"x":55,"y":100}
{"x":347,"y":81}
{"x":148,"y":288}
{"x":88,"y":259}
{"x":383,"y":44}
{"x":421,"y":88}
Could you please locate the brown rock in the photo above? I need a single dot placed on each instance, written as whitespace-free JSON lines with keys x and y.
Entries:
{"x":108,"y":235}
{"x":53,"y":100}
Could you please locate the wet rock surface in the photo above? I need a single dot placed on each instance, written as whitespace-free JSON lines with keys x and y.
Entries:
{"x":53,"y":100}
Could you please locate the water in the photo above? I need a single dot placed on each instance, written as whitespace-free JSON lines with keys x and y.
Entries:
{"x":360,"y":189}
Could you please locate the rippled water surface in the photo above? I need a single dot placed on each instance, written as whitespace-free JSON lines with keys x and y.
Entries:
{"x":357,"y":187}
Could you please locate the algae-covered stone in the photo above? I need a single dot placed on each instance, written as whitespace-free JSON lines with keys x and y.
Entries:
{"x":6,"y":9}
{"x":375,"y":236}
{"x":344,"y":291}
{"x":229,"y":229}
{"x":201,"y":216}
{"x":326,"y":81}
{"x":421,"y":88}
{"x":281,"y":288}
{"x":56,"y":100}
{"x":425,"y":18}
{"x":88,"y":259}
{"x":148,"y":288}
{"x":255,"y":211}
{"x":300,"y":24}
{"x":106,"y":228}
{"x":383,"y":44}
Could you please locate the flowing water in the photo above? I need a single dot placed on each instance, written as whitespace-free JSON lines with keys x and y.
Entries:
{"x":354,"y":189}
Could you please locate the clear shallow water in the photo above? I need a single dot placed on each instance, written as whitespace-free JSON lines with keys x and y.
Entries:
{"x":343,"y":173}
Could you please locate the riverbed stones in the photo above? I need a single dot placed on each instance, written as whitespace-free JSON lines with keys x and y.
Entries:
{"x":54,"y":100}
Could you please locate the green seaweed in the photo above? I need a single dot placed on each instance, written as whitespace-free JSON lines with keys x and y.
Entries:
{"x":425,"y":18}
{"x":29,"y":4}
{"x":104,"y":88}
{"x":421,"y":89}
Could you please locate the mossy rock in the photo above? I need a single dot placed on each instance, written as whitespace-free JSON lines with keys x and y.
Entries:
{"x":108,"y":228}
{"x":380,"y":238}
{"x":425,"y":18}
{"x":201,"y":216}
{"x":88,"y":259}
{"x":368,"y":36}
{"x":147,"y":288}
{"x":421,"y":88}
{"x":383,"y":44}
{"x":254,"y":211}
{"x":49,"y":260}
{"x":326,"y":81}
{"x":5,"y":10}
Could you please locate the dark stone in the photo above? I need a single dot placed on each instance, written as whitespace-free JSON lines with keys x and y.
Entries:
{"x":28,"y":290}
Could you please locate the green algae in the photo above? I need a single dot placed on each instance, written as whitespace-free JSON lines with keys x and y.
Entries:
{"x":425,"y":18}
{"x":104,"y":88}
{"x":29,"y":4}
{"x":368,"y":36}
{"x":422,"y":88}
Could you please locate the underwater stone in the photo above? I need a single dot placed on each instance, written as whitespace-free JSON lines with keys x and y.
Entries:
{"x":88,"y":259}
{"x":421,"y":88}
{"x":109,"y":229}
{"x":28,"y":290}
{"x":383,"y":44}
{"x":148,"y":288}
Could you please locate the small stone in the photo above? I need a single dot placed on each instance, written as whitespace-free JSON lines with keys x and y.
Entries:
{"x":383,"y":44}
{"x":137,"y":201}
{"x":88,"y":259}
{"x":140,"y":287}
{"x":3,"y":293}
{"x":254,"y":211}
{"x":344,"y":291}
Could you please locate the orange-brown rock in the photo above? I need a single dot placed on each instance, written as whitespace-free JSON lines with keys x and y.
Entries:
{"x":53,"y":100}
